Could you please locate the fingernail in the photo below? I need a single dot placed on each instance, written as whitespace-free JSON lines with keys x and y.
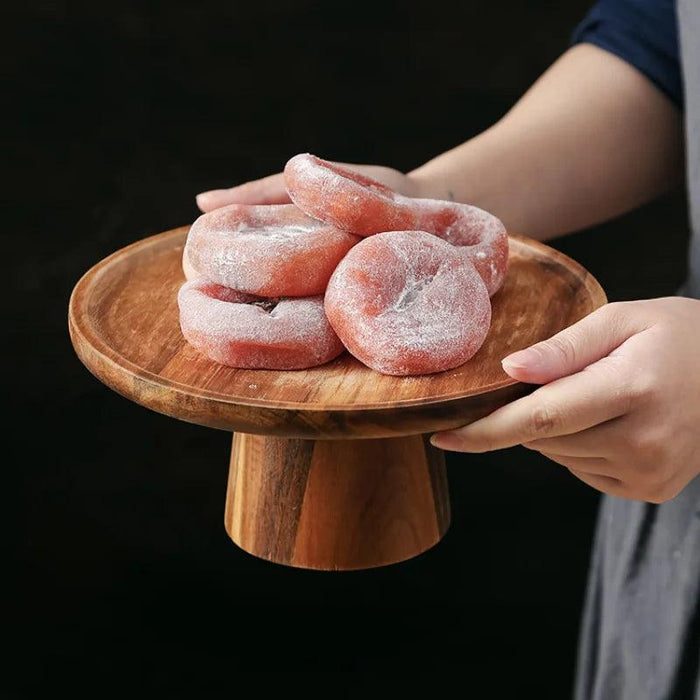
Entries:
{"x":443,"y":441}
{"x":210,"y":200}
{"x":202,"y":197}
{"x":521,"y":359}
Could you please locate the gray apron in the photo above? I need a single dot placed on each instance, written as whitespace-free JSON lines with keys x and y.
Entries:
{"x":640,"y":637}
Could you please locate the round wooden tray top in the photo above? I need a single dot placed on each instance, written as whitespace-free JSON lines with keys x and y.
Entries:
{"x":123,"y":320}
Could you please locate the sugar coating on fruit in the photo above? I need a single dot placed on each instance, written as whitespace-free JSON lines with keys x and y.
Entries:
{"x":188,"y":270}
{"x":243,"y":330}
{"x":268,"y":250}
{"x":408,"y":303}
{"x":342,"y":197}
{"x":481,"y":235}
{"x":366,"y":207}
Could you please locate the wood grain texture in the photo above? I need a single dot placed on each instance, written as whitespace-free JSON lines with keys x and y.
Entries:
{"x":336,"y":504}
{"x":123,"y":322}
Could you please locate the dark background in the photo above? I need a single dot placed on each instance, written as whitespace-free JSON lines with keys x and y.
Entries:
{"x":125,"y":576}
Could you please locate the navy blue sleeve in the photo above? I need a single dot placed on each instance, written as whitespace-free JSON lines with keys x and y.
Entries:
{"x":642,"y":32}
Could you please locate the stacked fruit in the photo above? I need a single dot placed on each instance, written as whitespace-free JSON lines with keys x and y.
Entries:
{"x":402,"y":283}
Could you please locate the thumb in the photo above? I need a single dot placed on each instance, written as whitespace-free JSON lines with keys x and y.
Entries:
{"x":572,"y":349}
{"x":267,"y":190}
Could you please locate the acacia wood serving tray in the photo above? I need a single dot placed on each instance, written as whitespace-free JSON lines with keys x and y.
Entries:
{"x":124,"y":324}
{"x":330,"y":467}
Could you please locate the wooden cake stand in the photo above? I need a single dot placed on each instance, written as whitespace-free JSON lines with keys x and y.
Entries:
{"x":330,"y":467}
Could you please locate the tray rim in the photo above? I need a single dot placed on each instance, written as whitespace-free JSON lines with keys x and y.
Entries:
{"x":102,"y":355}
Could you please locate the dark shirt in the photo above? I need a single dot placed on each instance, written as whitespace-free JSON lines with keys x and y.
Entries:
{"x":642,"y":32}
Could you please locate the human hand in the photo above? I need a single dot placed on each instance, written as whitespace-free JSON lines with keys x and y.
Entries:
{"x":272,"y":190}
{"x":620,"y":405}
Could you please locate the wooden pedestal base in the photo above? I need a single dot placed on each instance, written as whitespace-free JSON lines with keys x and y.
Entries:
{"x":336,"y":504}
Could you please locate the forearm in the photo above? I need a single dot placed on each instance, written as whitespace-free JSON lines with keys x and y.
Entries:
{"x":592,"y":139}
